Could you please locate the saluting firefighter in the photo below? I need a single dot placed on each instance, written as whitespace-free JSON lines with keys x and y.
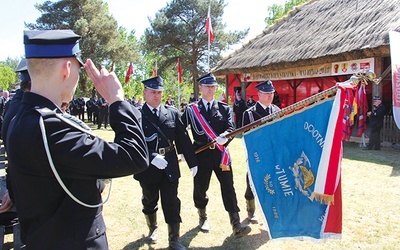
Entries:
{"x":262,"y":108}
{"x":209,"y":121}
{"x":163,"y":130}
{"x":55,"y":160}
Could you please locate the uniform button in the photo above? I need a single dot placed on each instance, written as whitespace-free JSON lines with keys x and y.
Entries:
{"x":97,"y":231}
{"x":170,"y":175}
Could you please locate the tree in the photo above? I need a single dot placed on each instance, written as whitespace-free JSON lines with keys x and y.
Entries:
{"x":277,"y":11}
{"x":102,"y":40}
{"x":178,"y":30}
{"x":7,"y":76}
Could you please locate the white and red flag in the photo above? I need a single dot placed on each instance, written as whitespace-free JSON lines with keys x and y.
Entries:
{"x":209,"y":29}
{"x":129,"y":72}
{"x":179,"y":67}
{"x":395,"y":56}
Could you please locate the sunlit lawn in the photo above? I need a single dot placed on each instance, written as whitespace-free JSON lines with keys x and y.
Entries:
{"x":371,"y":208}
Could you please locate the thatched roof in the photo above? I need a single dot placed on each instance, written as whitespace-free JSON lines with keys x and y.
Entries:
{"x":321,"y":31}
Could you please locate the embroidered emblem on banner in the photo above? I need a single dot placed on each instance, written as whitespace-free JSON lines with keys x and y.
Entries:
{"x":303,"y":176}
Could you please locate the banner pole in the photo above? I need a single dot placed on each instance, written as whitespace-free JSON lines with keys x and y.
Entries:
{"x":329,"y":93}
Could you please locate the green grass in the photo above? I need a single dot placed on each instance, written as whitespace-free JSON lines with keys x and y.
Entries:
{"x":370,"y":184}
{"x":371,"y":205}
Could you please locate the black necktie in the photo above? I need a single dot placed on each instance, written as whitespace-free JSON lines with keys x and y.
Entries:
{"x":155,"y":113}
{"x":268,"y":112}
{"x":208,"y":109}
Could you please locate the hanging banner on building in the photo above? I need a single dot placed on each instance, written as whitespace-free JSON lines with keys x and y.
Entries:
{"x":297,"y":73}
{"x":395,"y":56}
{"x":295,"y":175}
{"x":351,"y":67}
{"x":323,"y":70}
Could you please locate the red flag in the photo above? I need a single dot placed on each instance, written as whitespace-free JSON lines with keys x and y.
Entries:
{"x":362,"y":109}
{"x":209,"y":29}
{"x":154,"y":69}
{"x":179,"y":71}
{"x":129,"y":72}
{"x":347,"y":107}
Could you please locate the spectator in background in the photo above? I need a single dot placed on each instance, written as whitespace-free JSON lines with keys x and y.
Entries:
{"x":250,"y":102}
{"x":239,"y":106}
{"x":133,"y":101}
{"x":6,"y":98}
{"x":192,"y":98}
{"x":376,"y":116}
{"x":64,"y":107}
{"x":95,"y":109}
{"x":89,"y":109}
{"x":139,"y":104}
{"x":80,"y":108}
{"x":276,"y":100}
{"x":128,"y":99}
{"x":103,"y":113}
{"x":170,"y":101}
{"x":183,"y":105}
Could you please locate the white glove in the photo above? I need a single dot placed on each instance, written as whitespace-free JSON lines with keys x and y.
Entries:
{"x":159,"y":162}
{"x":221,"y":140}
{"x":194,"y":170}
{"x":182,"y":158}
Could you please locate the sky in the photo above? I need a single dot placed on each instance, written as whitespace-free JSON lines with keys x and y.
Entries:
{"x":132,"y":14}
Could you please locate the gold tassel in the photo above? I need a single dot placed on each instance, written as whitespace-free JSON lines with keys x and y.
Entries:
{"x":225,"y":167}
{"x":324,"y":198}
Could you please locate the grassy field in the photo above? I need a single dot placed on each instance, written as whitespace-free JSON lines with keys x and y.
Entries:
{"x":371,"y":205}
{"x":371,"y":190}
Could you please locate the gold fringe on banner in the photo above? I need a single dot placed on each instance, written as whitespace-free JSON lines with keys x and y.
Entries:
{"x":324,"y":198}
{"x":225,"y":167}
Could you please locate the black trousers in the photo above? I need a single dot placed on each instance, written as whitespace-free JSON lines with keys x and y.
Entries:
{"x":103,"y":117}
{"x":170,"y":203}
{"x":209,"y":161}
{"x":375,"y":138}
{"x":248,"y":195}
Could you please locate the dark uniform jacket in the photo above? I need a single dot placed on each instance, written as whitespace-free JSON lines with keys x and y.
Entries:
{"x":49,"y":218}
{"x":15,"y":103}
{"x":376,"y":117}
{"x":171,"y":125}
{"x":256,"y":112}
{"x":221,"y":120}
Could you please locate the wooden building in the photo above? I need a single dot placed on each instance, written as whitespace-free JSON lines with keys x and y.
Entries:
{"x":316,"y":45}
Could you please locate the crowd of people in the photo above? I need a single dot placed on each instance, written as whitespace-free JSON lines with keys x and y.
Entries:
{"x":52,"y":152}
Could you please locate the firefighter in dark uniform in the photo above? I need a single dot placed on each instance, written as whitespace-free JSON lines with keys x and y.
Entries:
{"x":163,"y":130}
{"x":7,"y":208}
{"x":262,"y":108}
{"x":211,"y":120}
{"x":81,"y":108}
{"x":376,"y":116}
{"x":239,"y":106}
{"x":55,"y":160}
{"x":103,"y":112}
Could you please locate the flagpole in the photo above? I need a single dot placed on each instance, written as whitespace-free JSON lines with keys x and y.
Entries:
{"x":179,"y":70}
{"x":179,"y":94}
{"x":209,"y":42}
{"x":329,"y":93}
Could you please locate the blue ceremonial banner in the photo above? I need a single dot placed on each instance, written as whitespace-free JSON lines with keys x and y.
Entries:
{"x":283,"y":160}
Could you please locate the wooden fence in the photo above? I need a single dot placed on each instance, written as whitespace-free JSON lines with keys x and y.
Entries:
{"x":390,"y":132}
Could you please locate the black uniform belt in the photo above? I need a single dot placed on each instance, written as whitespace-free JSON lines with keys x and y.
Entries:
{"x":200,"y":143}
{"x":163,"y":151}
